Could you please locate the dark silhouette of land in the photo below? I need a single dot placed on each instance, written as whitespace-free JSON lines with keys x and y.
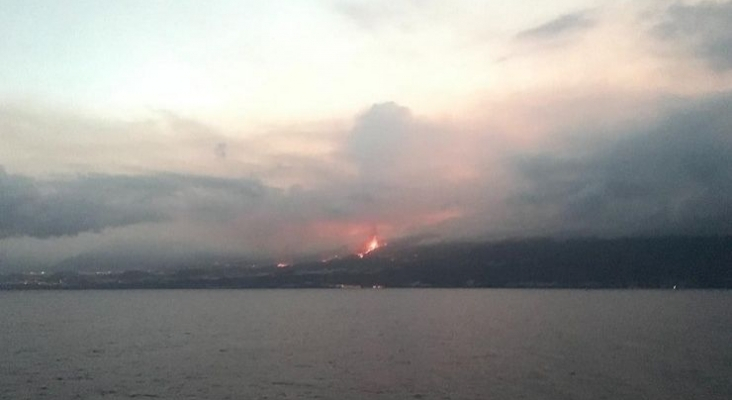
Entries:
{"x":658,"y":262}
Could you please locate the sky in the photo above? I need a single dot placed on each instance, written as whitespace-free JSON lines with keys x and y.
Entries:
{"x":279,"y":129}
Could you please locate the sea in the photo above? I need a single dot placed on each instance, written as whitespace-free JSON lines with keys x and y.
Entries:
{"x":366,"y":344}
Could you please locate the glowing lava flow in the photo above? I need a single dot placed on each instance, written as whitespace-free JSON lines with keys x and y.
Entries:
{"x":372,"y":245}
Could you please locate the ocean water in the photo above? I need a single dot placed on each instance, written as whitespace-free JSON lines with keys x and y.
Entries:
{"x":366,"y":344}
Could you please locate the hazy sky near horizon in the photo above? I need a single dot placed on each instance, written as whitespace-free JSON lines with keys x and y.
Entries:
{"x":282,"y":128}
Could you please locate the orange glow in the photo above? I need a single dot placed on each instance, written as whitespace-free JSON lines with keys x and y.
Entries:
{"x":370,"y":246}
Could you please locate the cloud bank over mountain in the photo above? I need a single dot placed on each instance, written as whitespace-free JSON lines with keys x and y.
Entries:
{"x":667,"y":176}
{"x":430,"y":120}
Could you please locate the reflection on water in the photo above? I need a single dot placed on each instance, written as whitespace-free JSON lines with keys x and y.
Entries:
{"x":363,"y":344}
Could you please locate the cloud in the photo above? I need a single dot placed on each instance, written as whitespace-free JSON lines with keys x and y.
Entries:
{"x":404,"y":174}
{"x":703,"y":29}
{"x":220,"y":150}
{"x":91,"y":203}
{"x":558,"y":27}
{"x":45,"y":140}
{"x":41,"y":140}
{"x":389,"y":145}
{"x":671,"y":177}
{"x":364,"y":16}
{"x":373,"y":15}
{"x":45,"y":209}
{"x":380,"y":139}
{"x":381,"y":171}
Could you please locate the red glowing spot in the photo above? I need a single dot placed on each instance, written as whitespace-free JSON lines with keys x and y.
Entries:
{"x":370,"y":246}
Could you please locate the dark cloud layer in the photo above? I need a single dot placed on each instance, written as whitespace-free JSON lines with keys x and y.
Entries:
{"x":704,"y":29}
{"x":559,"y":26}
{"x":674,"y":177}
{"x":48,"y":208}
